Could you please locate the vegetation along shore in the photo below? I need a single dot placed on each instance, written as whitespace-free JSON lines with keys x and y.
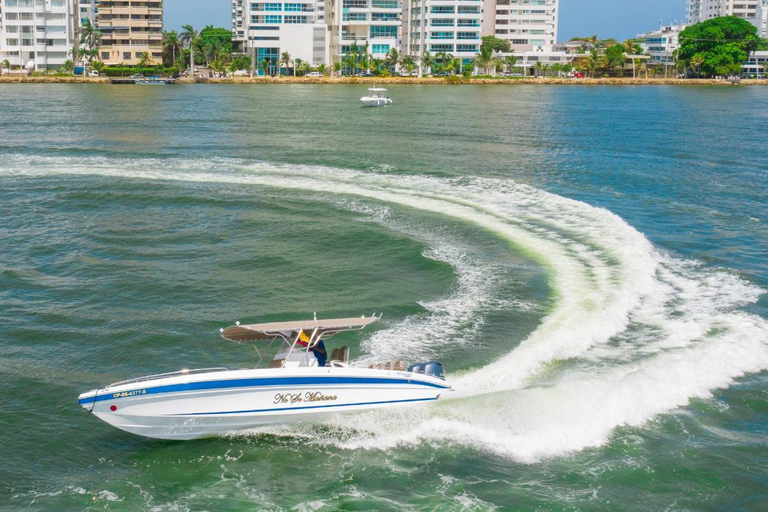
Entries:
{"x":450,"y":80}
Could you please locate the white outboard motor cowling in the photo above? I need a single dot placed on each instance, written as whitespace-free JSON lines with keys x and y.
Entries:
{"x":433,"y":368}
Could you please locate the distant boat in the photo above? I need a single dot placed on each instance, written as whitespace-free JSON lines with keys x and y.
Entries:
{"x":154,"y":81}
{"x":376,"y":98}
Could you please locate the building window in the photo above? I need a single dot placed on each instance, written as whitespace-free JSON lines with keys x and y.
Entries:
{"x":272,"y":18}
{"x":126,"y":55}
{"x":383,"y":31}
{"x":381,"y":48}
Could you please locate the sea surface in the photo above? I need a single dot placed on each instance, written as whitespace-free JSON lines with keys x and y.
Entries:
{"x":590,"y":264}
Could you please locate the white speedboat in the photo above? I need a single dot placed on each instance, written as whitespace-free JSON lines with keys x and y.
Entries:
{"x":292,"y":386}
{"x":376,"y":98}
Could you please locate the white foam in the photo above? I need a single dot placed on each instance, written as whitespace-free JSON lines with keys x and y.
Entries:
{"x":644,"y":331}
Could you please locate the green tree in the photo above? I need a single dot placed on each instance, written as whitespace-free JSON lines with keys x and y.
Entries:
{"x":696,"y":62}
{"x":337,"y":68}
{"x":172,"y":47}
{"x":189,"y":37}
{"x":285,"y":60}
{"x":495,"y":44}
{"x":484,"y":60}
{"x":722,"y":43}
{"x":510,"y":61}
{"x":427,"y":62}
{"x":321,"y":68}
{"x":7,"y":64}
{"x":392,"y":58}
{"x":264,"y":67}
{"x":90,"y":37}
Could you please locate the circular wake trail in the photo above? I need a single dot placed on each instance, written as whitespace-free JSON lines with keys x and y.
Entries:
{"x":642,"y":331}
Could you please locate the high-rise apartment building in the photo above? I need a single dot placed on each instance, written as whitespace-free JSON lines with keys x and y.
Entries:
{"x":529,"y":25}
{"x":442,"y":26}
{"x":324,"y":31}
{"x":268,"y":29}
{"x":130,"y":28}
{"x":375,"y":23}
{"x":702,"y":10}
{"x":37,"y":34}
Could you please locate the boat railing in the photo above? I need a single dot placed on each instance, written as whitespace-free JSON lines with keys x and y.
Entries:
{"x":166,"y":375}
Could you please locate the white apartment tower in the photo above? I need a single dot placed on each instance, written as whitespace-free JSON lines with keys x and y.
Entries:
{"x":529,"y":25}
{"x":270,"y":28}
{"x":37,"y":35}
{"x":451,"y":27}
{"x":375,"y":23}
{"x":702,"y":10}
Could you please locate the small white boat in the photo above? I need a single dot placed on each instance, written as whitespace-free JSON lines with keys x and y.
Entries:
{"x":295,"y":385}
{"x":376,"y":98}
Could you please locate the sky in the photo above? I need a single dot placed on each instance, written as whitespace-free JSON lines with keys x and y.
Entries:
{"x":620,"y":19}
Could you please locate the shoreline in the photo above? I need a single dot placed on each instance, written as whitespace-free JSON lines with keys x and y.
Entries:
{"x":454,"y":80}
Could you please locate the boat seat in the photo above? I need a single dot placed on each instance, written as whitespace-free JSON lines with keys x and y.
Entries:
{"x":340,"y":354}
{"x":276,"y":363}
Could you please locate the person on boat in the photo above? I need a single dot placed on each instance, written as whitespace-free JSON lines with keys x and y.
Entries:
{"x":319,"y":350}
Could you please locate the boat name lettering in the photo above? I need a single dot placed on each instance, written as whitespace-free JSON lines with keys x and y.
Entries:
{"x":318,"y":397}
{"x":125,"y":394}
{"x":309,"y":396}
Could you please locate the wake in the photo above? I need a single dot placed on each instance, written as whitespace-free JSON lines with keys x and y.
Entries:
{"x":642,"y":331}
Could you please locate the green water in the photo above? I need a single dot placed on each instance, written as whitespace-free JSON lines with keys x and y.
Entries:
{"x":589,"y":264}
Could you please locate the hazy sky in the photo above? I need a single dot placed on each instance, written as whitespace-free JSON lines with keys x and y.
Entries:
{"x":606,"y":18}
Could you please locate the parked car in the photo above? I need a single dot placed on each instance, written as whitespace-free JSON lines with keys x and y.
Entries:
{"x":93,"y":73}
{"x":241,"y":72}
{"x":314,"y":74}
{"x":365,"y":74}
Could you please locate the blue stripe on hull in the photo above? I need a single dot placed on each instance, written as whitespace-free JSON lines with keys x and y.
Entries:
{"x":306,"y":407}
{"x":263,"y":382}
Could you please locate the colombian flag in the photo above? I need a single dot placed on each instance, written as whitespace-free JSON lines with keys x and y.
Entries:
{"x":303,"y":339}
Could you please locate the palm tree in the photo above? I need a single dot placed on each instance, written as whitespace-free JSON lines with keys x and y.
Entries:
{"x":337,"y":68}
{"x":594,"y":62}
{"x":484,"y":59}
{"x":90,"y":37}
{"x":285,"y":60}
{"x":510,"y":61}
{"x":321,"y":68}
{"x":7,"y":64}
{"x":392,"y":58}
{"x":264,"y":66}
{"x":539,"y":66}
{"x":629,"y":47}
{"x":172,"y":45}
{"x":188,"y":37}
{"x":145,"y":59}
{"x":427,"y":62}
{"x":408,"y":63}
{"x":697,"y":61}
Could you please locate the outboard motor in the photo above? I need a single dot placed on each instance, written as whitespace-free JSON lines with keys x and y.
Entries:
{"x":433,"y":368}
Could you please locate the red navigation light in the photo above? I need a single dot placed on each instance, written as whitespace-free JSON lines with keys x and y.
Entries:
{"x":113,"y":408}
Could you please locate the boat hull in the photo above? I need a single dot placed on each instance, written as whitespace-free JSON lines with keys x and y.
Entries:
{"x":375,"y":102}
{"x":205,"y":405}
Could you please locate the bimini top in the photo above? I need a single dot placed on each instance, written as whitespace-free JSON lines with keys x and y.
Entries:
{"x":288,"y":330}
{"x":376,"y":89}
